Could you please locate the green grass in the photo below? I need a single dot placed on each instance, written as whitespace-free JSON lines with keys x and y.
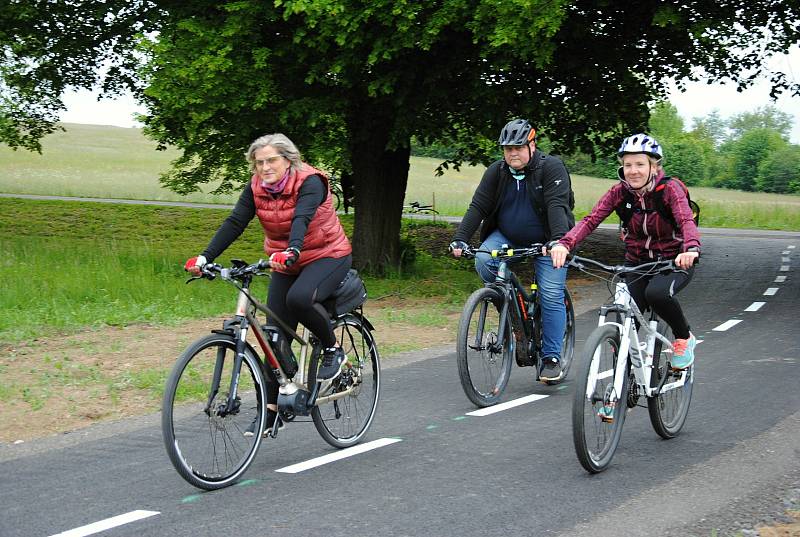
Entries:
{"x":69,"y":265}
{"x":97,"y":162}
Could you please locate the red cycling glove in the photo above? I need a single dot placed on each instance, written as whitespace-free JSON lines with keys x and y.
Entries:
{"x":286,"y":258}
{"x":193,"y":264}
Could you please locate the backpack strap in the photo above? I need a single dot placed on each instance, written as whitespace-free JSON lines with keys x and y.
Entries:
{"x":626,"y":209}
{"x":658,"y":199}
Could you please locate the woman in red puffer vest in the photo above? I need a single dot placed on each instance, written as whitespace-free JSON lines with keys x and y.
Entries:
{"x":307,"y":247}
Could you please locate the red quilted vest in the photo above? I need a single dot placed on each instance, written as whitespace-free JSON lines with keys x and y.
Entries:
{"x":324,"y":237}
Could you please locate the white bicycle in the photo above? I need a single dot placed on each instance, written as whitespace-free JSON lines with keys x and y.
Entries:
{"x":621,"y":365}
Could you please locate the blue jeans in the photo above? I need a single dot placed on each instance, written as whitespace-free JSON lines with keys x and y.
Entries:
{"x":550,"y":281}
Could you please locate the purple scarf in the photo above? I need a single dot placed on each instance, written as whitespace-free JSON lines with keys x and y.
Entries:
{"x":276,"y":188}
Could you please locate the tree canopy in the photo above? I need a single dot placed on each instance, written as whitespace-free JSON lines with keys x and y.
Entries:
{"x":352,"y":81}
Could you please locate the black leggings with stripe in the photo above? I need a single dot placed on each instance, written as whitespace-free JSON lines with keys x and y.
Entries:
{"x":295,"y":298}
{"x":658,"y":291}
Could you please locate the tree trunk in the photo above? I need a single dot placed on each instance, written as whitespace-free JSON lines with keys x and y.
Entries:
{"x":380,"y":165}
{"x":380,"y":177}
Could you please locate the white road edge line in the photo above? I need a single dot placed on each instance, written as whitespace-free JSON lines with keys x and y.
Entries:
{"x":508,"y":404}
{"x":333,"y":457}
{"x":726,"y":325}
{"x":107,"y":524}
{"x":755,"y":306}
{"x":770,"y":291}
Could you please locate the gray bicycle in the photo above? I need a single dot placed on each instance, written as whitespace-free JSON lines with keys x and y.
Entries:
{"x":217,"y":388}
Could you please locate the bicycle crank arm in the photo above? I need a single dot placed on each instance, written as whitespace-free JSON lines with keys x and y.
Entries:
{"x":334,"y":396}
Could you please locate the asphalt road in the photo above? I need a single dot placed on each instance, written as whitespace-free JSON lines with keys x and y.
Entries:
{"x":453,"y":474}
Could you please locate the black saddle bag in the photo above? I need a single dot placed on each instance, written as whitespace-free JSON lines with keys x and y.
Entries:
{"x":350,"y":294}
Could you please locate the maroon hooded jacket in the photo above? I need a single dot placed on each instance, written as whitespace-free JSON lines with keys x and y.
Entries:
{"x":649,"y":236}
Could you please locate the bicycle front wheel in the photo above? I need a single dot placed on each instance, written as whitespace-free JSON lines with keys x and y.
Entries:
{"x":598,"y":412}
{"x":346,"y":406}
{"x":668,"y":410}
{"x":204,"y":437}
{"x":484,"y":362}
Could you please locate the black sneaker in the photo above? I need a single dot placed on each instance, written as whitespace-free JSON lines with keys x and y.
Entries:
{"x":551,"y":368}
{"x":271,"y":415}
{"x":332,"y":360}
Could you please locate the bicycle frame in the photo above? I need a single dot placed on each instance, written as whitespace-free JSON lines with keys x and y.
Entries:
{"x":293,"y":391}
{"x":631,"y":348}
{"x":515,"y":300}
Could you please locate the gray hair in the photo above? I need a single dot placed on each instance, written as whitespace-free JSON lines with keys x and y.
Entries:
{"x":282,"y":144}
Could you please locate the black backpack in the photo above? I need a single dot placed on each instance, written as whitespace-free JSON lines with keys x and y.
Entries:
{"x":537,"y":178}
{"x":627,"y":208}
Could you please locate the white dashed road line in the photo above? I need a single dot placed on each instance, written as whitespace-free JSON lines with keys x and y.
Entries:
{"x":755,"y":306}
{"x":784,"y":268}
{"x":505,"y":406}
{"x":727,"y":325}
{"x":103,"y":525}
{"x":780,"y":279}
{"x":771,"y":291}
{"x":339,"y":455}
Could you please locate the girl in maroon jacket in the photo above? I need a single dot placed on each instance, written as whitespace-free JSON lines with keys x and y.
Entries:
{"x":648,"y":236}
{"x":308,"y":250}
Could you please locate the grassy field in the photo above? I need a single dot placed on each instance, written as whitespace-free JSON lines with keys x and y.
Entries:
{"x":68,"y":265}
{"x":114,"y":162}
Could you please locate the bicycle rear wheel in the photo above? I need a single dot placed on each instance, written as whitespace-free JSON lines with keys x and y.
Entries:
{"x":204,"y":441}
{"x":596,"y":438}
{"x":484,"y":362}
{"x":343,"y":420}
{"x":668,"y":410}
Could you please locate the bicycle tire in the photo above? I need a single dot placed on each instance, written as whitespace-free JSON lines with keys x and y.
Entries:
{"x":568,"y":344}
{"x":596,"y":440}
{"x":484,"y":365}
{"x":208,"y":450}
{"x":668,"y":410}
{"x":344,"y":422}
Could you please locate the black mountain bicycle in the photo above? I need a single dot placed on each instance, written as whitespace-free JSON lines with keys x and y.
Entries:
{"x":217,"y":388}
{"x":502,"y":319}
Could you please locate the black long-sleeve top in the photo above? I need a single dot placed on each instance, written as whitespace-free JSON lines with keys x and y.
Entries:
{"x":310,"y":196}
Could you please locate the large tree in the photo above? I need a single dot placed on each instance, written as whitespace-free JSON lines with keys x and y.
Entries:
{"x":352,"y":81}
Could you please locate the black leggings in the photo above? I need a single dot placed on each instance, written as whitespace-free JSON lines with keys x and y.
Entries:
{"x":658,"y":291}
{"x":296,"y":297}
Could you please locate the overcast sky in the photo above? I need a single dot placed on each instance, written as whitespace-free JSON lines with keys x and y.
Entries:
{"x":698,"y":100}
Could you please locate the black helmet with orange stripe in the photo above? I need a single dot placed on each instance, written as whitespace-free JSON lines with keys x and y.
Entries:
{"x":517,"y":132}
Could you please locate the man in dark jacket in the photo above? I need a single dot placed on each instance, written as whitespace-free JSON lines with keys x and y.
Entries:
{"x":524,"y":198}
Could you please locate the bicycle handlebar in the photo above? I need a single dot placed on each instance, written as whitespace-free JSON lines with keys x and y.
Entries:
{"x":534,"y":250}
{"x":238,"y":271}
{"x":660,"y":266}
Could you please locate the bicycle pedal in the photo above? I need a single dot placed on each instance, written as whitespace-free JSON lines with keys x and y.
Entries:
{"x":272,"y":432}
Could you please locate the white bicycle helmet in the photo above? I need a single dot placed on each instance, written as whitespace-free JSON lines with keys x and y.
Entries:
{"x":641,"y":143}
